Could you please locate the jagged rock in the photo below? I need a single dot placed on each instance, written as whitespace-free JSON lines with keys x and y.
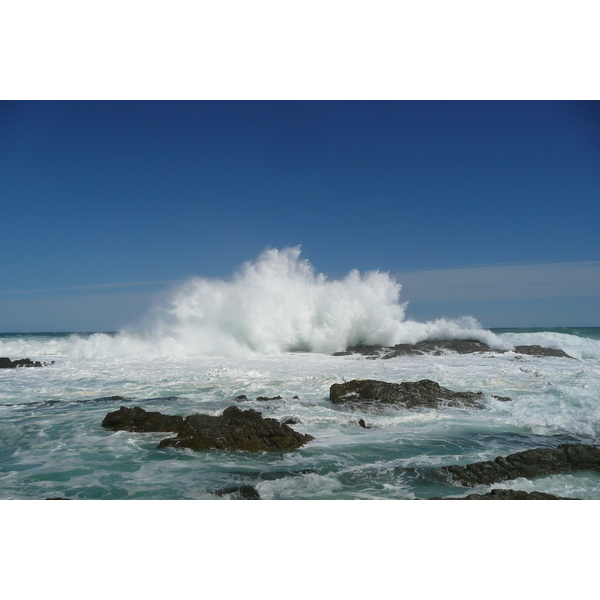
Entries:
{"x":244,"y":492}
{"x":241,"y":398}
{"x":137,"y":419}
{"x":497,"y":494}
{"x":265,"y":399}
{"x":291,"y":421}
{"x":529,"y":463}
{"x":424,"y":393}
{"x":6,"y":363}
{"x":235,"y":430}
{"x":537,"y":350}
{"x":361,"y":423}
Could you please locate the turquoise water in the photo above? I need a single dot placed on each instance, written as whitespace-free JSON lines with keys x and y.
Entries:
{"x":52,"y":444}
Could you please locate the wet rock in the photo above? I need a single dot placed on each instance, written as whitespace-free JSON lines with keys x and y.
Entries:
{"x":291,"y":421}
{"x":6,"y":363}
{"x":361,"y":423}
{"x":537,"y":350}
{"x":137,"y":419}
{"x":439,"y":347}
{"x":265,"y":399}
{"x":241,"y":398}
{"x":243,"y":492}
{"x":424,"y":393}
{"x":529,"y":463}
{"x":235,"y":430}
{"x":497,"y":494}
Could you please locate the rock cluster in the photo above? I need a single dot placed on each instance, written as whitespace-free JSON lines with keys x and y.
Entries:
{"x":6,"y":363}
{"x":437,"y":348}
{"x":529,"y":463}
{"x":497,"y":494}
{"x":424,"y":393}
{"x":235,"y":429}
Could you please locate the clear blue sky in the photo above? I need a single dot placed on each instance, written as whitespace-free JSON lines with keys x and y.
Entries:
{"x":99,"y":193}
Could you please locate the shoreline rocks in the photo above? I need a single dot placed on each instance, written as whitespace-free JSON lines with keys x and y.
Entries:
{"x":423,"y":393}
{"x":498,"y":494}
{"x":235,"y":429}
{"x":528,"y":463}
{"x":439,"y":347}
{"x":6,"y":363}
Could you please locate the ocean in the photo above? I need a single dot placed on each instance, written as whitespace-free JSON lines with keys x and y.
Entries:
{"x":271,"y":331}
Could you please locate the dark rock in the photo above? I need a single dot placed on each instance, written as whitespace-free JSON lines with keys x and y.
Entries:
{"x":439,"y":347}
{"x":536,"y":350}
{"x":57,"y":498}
{"x":244,"y":492}
{"x":497,"y":494}
{"x":362,"y":424}
{"x":6,"y":363}
{"x":502,"y":398}
{"x":235,"y":430}
{"x":424,"y":393}
{"x":137,"y":419}
{"x":265,"y":399}
{"x":529,"y":463}
{"x":241,"y":398}
{"x":291,"y":421}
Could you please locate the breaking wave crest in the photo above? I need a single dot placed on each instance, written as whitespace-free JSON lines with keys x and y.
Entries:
{"x":275,"y":304}
{"x":278,"y":303}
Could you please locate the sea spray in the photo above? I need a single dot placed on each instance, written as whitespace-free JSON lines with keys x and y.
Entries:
{"x":276,"y":303}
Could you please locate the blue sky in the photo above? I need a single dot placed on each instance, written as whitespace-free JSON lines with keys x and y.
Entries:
{"x":482,"y":208}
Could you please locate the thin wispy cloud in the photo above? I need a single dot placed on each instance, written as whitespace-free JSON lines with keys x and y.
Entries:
{"x":502,"y":282}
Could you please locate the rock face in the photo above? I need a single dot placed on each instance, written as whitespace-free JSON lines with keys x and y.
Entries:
{"x":6,"y":363}
{"x":425,"y":393}
{"x":497,"y":494}
{"x":439,"y":347}
{"x":137,"y":419}
{"x":529,"y":463}
{"x":236,"y":430}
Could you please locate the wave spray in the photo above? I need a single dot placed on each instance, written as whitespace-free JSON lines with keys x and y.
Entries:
{"x":278,"y":303}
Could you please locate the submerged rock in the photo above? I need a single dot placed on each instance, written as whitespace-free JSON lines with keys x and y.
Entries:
{"x":236,"y":429}
{"x":424,"y":393}
{"x":6,"y":363}
{"x":529,"y":463}
{"x":242,"y":492}
{"x":138,"y":419}
{"x":497,"y":494}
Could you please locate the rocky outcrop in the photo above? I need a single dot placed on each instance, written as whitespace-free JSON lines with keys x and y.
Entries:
{"x":6,"y":363}
{"x":529,"y":463}
{"x":138,"y":419}
{"x":236,"y":429}
{"x":541,"y":351}
{"x":424,"y":393}
{"x":439,"y":347}
{"x":497,"y":494}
